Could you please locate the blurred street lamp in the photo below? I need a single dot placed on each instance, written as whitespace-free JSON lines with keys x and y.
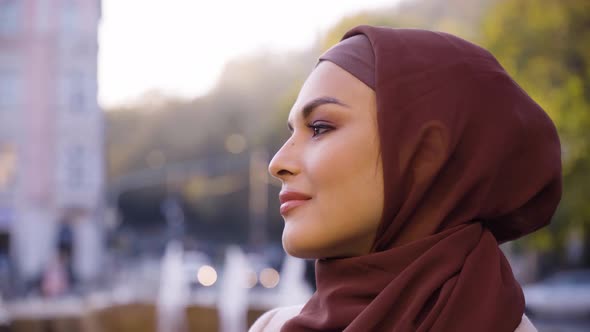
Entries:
{"x":172,"y":211}
{"x":258,"y":196}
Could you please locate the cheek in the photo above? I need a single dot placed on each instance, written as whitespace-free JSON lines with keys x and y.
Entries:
{"x":346,"y":181}
{"x":350,"y":196}
{"x":346,"y":169}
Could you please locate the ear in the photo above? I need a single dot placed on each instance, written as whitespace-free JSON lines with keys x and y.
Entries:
{"x":429,"y":152}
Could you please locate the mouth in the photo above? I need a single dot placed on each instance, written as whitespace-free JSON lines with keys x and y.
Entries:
{"x":290,"y":200}
{"x":290,"y":205}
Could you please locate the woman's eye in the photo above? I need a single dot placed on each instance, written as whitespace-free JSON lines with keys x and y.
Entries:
{"x":319,"y":129}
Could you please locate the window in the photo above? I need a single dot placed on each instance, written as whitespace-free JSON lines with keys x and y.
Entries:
{"x":10,"y":11}
{"x":75,"y":161}
{"x":9,"y":88}
{"x":68,"y":15}
{"x":43,"y":15}
{"x":76,"y":95}
{"x":7,"y":167}
{"x":73,"y":94}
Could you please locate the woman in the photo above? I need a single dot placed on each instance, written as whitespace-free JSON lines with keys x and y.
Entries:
{"x":413,"y":154}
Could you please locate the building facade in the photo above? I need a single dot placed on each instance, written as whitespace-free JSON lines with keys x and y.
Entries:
{"x":51,"y":134}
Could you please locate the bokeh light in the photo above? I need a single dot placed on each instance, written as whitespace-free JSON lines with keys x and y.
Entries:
{"x":269,"y":277}
{"x":207,"y":275}
{"x":235,"y":143}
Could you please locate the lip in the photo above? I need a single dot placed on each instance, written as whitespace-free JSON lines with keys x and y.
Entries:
{"x":291,"y":199}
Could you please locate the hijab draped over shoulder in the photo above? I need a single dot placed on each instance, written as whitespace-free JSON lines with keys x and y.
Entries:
{"x":435,"y":263}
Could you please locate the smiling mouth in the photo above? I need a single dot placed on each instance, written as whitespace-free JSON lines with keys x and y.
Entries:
{"x":290,"y":205}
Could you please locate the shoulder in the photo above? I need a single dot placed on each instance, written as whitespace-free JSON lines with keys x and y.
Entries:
{"x":273,"y":320}
{"x":525,"y":325}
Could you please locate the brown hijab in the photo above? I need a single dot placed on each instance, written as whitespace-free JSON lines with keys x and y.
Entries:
{"x":435,"y":264}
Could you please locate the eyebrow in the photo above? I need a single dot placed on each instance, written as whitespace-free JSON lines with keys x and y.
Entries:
{"x":315,"y":103}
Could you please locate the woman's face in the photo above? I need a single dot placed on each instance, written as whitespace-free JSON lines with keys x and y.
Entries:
{"x":330,"y":168}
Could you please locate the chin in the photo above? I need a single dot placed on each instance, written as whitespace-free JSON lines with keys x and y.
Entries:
{"x":300,"y":245}
{"x":298,"y":251}
{"x":304,"y":245}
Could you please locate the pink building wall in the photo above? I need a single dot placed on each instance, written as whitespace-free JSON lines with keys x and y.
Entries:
{"x":52,"y":40}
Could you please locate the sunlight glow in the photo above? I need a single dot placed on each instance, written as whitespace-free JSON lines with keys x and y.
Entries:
{"x":179,"y":47}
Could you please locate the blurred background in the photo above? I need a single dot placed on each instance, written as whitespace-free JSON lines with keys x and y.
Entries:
{"x":135,"y":137}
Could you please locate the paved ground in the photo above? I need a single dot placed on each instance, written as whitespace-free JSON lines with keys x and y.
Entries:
{"x":561,"y":325}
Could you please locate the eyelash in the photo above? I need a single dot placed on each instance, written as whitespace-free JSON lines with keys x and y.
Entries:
{"x":319,"y":126}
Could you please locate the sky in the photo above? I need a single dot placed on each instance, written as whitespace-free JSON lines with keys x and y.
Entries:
{"x":179,"y":47}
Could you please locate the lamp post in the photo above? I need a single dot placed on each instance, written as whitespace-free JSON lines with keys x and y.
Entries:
{"x":258,"y":197}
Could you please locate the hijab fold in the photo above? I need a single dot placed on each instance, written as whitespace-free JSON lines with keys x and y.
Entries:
{"x":435,"y":263}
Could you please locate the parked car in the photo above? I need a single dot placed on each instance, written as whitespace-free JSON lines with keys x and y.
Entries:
{"x":565,"y":294}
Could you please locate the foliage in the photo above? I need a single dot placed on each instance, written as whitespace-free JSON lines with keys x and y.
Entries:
{"x":543,"y":44}
{"x":545,"y":47}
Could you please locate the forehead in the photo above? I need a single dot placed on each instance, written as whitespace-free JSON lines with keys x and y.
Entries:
{"x":329,"y":80}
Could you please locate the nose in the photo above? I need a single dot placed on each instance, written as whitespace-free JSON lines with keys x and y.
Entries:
{"x":284,"y":163}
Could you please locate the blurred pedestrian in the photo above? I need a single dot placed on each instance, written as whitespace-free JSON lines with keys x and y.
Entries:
{"x":65,"y":248}
{"x":412,"y":155}
{"x":55,"y":278}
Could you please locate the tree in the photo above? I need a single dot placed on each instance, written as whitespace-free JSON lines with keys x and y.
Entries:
{"x":545,"y":46}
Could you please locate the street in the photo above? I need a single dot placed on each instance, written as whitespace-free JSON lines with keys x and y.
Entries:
{"x":561,"y":325}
